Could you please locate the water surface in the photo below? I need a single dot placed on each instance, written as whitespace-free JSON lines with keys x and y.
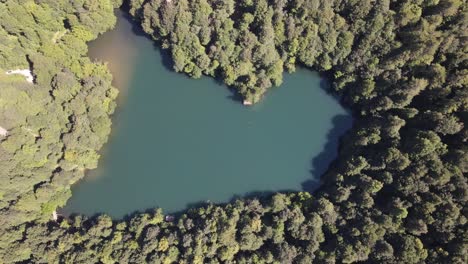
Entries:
{"x":177,"y":141}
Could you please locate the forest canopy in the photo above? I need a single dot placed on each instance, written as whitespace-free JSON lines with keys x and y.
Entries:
{"x":396,"y":193}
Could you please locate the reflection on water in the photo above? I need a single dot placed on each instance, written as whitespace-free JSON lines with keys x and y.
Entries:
{"x":119,"y":51}
{"x":177,"y":141}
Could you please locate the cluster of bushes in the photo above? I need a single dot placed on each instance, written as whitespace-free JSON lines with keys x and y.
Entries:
{"x":396,"y":193}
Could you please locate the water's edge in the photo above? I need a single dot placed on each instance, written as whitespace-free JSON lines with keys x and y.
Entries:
{"x":113,"y":189}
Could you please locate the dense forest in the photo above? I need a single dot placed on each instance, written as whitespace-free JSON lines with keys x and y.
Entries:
{"x":396,"y":193}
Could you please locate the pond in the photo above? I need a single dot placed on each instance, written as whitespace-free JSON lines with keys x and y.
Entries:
{"x":178,"y":141}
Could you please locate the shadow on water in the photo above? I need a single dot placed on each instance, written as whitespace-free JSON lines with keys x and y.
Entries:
{"x":166,"y":58}
{"x":321,"y":163}
{"x":254,"y":195}
{"x":235,"y":96}
{"x":261,"y":196}
{"x":340,"y":125}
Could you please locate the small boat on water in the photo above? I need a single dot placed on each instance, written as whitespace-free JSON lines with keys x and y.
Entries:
{"x":247,"y":102}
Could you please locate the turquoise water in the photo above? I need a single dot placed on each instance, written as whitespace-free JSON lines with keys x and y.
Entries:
{"x":177,"y":141}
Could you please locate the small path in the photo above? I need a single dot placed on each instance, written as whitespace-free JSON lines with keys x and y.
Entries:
{"x":58,"y":35}
{"x":3,"y":132}
{"x":25,"y":72}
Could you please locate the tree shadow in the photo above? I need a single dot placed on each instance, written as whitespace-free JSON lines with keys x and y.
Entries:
{"x":166,"y":59}
{"x":253,"y":195}
{"x":234,"y":95}
{"x":322,"y":162}
{"x":89,"y":220}
{"x":341,"y":124}
{"x":319,"y":165}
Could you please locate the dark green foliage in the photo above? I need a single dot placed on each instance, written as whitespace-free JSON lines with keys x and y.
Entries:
{"x":396,"y":193}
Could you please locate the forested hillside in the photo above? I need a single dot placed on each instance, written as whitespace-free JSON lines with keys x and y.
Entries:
{"x":396,"y":194}
{"x":56,"y":124}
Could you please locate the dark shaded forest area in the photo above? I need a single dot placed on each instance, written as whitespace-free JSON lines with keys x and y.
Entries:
{"x":396,"y":193}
